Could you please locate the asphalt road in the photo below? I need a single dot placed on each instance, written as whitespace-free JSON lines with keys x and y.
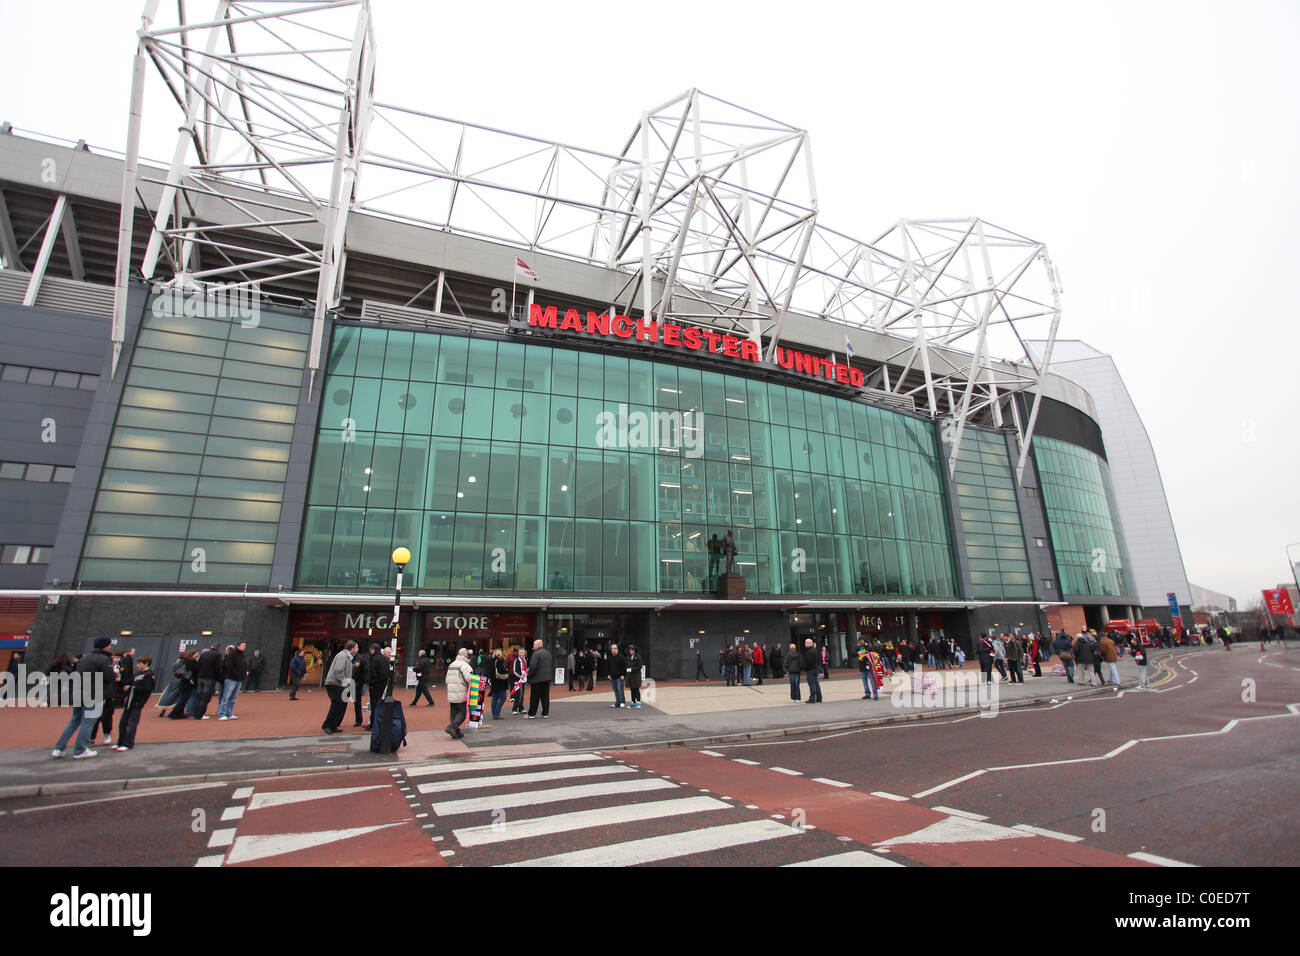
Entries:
{"x":1199,"y":771}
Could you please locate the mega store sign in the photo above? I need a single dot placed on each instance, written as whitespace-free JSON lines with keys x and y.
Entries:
{"x":688,"y":338}
{"x":438,"y":625}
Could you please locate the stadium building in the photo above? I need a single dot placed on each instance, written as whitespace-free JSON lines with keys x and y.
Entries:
{"x":329,"y":327}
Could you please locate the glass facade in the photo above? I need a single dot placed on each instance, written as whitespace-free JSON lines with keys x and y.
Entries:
{"x":1086,"y":536}
{"x":990,"y":516}
{"x":512,"y":466}
{"x":192,"y":486}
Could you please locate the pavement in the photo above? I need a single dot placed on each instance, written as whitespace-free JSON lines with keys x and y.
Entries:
{"x":275,"y":736}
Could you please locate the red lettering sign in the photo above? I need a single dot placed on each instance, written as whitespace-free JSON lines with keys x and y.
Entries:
{"x":690,"y":338}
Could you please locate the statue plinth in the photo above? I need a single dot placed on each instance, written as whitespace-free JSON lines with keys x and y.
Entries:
{"x":731,"y":586}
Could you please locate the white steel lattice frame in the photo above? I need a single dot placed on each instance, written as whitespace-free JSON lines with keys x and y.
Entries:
{"x":709,"y":210}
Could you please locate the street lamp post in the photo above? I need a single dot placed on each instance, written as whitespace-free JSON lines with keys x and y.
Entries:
{"x":401,"y":558}
{"x":1294,"y":577}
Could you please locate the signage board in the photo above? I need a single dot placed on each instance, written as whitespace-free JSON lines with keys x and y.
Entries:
{"x":1278,"y":602}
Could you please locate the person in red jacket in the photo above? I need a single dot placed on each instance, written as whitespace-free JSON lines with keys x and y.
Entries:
{"x":758,"y":663}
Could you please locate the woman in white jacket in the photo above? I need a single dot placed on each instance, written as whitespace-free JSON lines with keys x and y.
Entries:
{"x":458,"y":675}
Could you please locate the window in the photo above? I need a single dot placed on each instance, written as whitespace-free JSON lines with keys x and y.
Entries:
{"x":12,"y":469}
{"x":63,"y":474}
{"x":1048,"y":584}
{"x":46,"y":376}
{"x":25,"y":554}
{"x":1040,"y":542}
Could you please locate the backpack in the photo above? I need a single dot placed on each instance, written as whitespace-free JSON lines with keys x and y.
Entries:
{"x":398,"y":718}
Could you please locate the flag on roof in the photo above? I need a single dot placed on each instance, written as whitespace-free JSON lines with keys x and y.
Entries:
{"x":524,"y":270}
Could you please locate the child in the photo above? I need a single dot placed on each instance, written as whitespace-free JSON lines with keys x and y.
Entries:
{"x":138,"y":696}
{"x":1140,"y":659}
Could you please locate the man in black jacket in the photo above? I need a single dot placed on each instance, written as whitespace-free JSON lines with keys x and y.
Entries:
{"x":209,"y":678}
{"x":811,"y":665}
{"x":380,"y":670}
{"x":422,"y":679}
{"x":95,"y":675}
{"x":297,"y":671}
{"x":141,"y":687}
{"x":540,"y":671}
{"x":617,"y":675}
{"x":236,"y":674}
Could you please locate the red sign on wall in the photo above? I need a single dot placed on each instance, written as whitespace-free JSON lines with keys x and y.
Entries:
{"x":1278,"y":602}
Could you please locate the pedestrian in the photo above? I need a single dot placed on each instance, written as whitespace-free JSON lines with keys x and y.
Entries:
{"x":569,"y":663}
{"x":1140,"y":659}
{"x":757,"y":654}
{"x":811,"y":665}
{"x":458,"y":674}
{"x":172,"y":692}
{"x":1083,"y":654}
{"x":793,"y":667}
{"x":722,"y":664}
{"x":519,"y":672}
{"x":1096,"y":655}
{"x":189,"y":687}
{"x":98,"y":665}
{"x":500,"y":683}
{"x":422,"y":679}
{"x":209,"y":672}
{"x":297,"y":671}
{"x":1014,"y":651}
{"x":1000,"y":655}
{"x":746,"y":660}
{"x":700,"y":674}
{"x":1110,"y":654}
{"x":236,"y":674}
{"x":634,"y":667}
{"x":986,"y":652}
{"x":826,"y":668}
{"x":617,"y":676}
{"x":378,"y":672}
{"x":255,"y":667}
{"x":539,"y":680}
{"x":1035,"y":653}
{"x":338,"y":681}
{"x":730,"y":660}
{"x":142,"y":686}
{"x":1065,"y":654}
{"x":867,"y":671}
{"x":115,"y":699}
{"x":591,"y":667}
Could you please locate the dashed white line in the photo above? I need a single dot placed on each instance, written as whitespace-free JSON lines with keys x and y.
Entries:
{"x":243,"y":793}
{"x":961,"y":813}
{"x":711,"y":753}
{"x":232,"y":813}
{"x":221,"y":838}
{"x":888,"y":796}
{"x":1157,"y":860}
{"x":748,"y":763}
{"x":792,"y":773}
{"x":216,"y":860}
{"x":1053,"y":834}
{"x":831,"y":783}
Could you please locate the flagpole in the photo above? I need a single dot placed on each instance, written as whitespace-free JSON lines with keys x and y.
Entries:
{"x":514,"y":278}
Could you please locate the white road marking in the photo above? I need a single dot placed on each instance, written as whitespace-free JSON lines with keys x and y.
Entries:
{"x":584,"y":819}
{"x":750,"y":763}
{"x":530,"y":798}
{"x":831,"y":783}
{"x":470,"y":783}
{"x":274,"y":844}
{"x":711,"y":753}
{"x":221,"y":838}
{"x":654,"y":849}
{"x":118,"y":796}
{"x":243,"y":793}
{"x":956,"y":830}
{"x":1158,"y":860}
{"x":1053,"y":834}
{"x":950,"y":783}
{"x":889,"y":796}
{"x":232,"y":813}
{"x":502,"y":764}
{"x":960,"y":813}
{"x":792,"y":773}
{"x":210,"y":860}
{"x":280,"y":798}
{"x":851,"y":858}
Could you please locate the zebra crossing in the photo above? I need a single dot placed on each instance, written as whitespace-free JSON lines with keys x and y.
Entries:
{"x":597,"y":810}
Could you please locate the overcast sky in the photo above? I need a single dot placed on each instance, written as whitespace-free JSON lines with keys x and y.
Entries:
{"x":1152,"y":146}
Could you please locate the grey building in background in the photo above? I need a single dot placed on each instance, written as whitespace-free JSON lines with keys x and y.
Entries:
{"x":1157,"y":563}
